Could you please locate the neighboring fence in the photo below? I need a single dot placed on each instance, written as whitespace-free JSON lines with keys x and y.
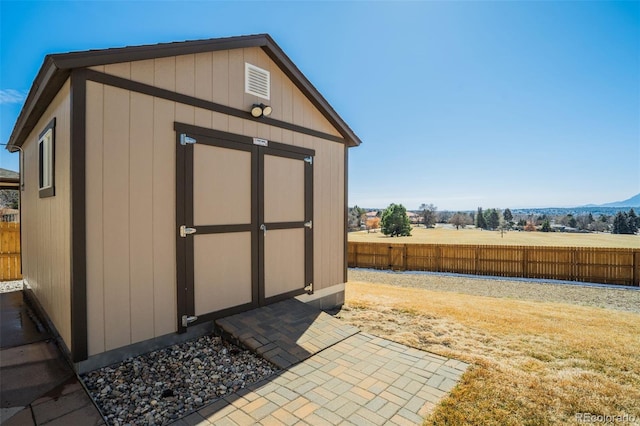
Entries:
{"x":599,"y":265}
{"x":9,"y":251}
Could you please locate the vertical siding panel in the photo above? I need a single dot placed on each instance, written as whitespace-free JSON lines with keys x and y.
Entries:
{"x":116,"y":218}
{"x":164,"y":257}
{"x":319,"y":212}
{"x":185,"y":83}
{"x":94,"y":194}
{"x":277,"y":79}
{"x":141,"y":206}
{"x":236,"y":79}
{"x":203,"y":87}
{"x":164,"y":222}
{"x":62,"y":224}
{"x":220,"y":87}
{"x":164,"y":73}
{"x":287,"y":100}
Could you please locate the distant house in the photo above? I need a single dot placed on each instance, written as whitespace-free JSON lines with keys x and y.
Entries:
{"x":169,"y":185}
{"x":9,"y":179}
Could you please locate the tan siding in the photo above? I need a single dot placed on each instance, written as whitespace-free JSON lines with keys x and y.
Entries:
{"x":117,"y":291}
{"x":46,"y":221}
{"x":94,"y":218}
{"x":219,"y":77}
{"x":141,"y":228}
{"x":164,"y":218}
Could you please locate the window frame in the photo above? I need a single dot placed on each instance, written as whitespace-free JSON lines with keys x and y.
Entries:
{"x":47,"y":160}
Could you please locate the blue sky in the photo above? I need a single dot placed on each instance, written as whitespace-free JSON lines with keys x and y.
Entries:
{"x":459,"y":104}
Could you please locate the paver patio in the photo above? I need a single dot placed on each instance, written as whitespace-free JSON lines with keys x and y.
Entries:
{"x":347,"y":378}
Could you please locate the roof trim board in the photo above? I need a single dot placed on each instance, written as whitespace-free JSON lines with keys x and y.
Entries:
{"x":57,"y":67}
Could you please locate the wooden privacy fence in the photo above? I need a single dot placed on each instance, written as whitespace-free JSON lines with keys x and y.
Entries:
{"x":599,"y":265}
{"x":10,"y":251}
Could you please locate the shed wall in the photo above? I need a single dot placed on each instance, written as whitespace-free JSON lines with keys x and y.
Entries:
{"x":130,"y":198}
{"x":46,"y":232}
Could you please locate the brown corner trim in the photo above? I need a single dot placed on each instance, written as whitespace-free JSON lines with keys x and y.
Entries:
{"x":346,"y":213}
{"x":157,"y":92}
{"x":79,"y":346}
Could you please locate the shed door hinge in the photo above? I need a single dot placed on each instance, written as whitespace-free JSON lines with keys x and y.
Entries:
{"x":309,"y":224}
{"x":184,"y":231}
{"x":309,"y":288}
{"x":309,"y":160}
{"x":187,"y":319}
{"x":184,"y":139}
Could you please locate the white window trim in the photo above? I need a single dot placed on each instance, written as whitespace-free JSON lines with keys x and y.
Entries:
{"x":47,"y":160}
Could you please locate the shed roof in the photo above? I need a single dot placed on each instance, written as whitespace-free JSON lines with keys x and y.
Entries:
{"x":56,"y":68}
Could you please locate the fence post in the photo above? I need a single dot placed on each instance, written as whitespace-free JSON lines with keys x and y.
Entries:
{"x":404,"y":256}
{"x":636,"y":264}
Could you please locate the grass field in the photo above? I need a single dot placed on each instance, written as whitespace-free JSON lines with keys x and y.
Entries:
{"x":475,"y":236}
{"x":533,"y":363}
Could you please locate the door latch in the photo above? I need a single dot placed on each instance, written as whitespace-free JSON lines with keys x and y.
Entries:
{"x":184,"y":231}
{"x":263,"y":228}
{"x":309,"y":224}
{"x":187,"y":319}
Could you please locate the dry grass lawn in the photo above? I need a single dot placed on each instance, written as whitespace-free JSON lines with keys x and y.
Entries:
{"x":515,"y":238}
{"x":533,"y":363}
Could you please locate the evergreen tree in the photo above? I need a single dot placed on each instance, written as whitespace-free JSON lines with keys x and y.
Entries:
{"x":633,"y":221}
{"x":546,"y":226}
{"x":480,"y":221}
{"x":621,"y":224}
{"x":572,"y":222}
{"x":507,"y":215}
{"x":492,"y":219}
{"x":395,"y":221}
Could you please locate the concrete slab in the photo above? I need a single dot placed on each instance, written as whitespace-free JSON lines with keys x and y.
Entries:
{"x":19,"y":325}
{"x":30,"y":371}
{"x":37,"y":384}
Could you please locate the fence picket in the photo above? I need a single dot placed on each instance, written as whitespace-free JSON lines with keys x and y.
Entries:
{"x":9,"y":251}
{"x":589,"y":264}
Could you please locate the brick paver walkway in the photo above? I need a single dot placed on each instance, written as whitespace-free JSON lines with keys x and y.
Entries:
{"x":360,"y":379}
{"x":287,"y":332}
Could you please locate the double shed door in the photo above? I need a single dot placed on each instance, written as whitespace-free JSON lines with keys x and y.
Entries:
{"x":245,"y":225}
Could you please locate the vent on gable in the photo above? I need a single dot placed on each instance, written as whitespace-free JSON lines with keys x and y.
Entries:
{"x":257,"y":81}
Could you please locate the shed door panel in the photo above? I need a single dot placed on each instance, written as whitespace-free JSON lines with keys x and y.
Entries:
{"x":283,"y":189}
{"x":222,"y":271}
{"x":284,"y":262}
{"x":241,"y":213}
{"x":285,"y":194}
{"x":221,"y":186}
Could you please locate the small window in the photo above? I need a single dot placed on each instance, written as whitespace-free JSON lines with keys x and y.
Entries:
{"x":257,"y":81}
{"x":46,"y":155}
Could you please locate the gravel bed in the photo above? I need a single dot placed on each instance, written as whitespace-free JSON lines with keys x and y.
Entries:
{"x":608,"y":297}
{"x":164,"y":385}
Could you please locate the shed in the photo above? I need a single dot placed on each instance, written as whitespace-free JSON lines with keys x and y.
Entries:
{"x":169,"y":185}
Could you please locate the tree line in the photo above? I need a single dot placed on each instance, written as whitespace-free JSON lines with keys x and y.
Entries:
{"x":394,"y":220}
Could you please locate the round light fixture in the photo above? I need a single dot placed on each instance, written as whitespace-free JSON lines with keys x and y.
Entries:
{"x":256,"y":110}
{"x":266,"y":110}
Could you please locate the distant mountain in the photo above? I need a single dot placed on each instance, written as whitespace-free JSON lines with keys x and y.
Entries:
{"x":630,"y":202}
